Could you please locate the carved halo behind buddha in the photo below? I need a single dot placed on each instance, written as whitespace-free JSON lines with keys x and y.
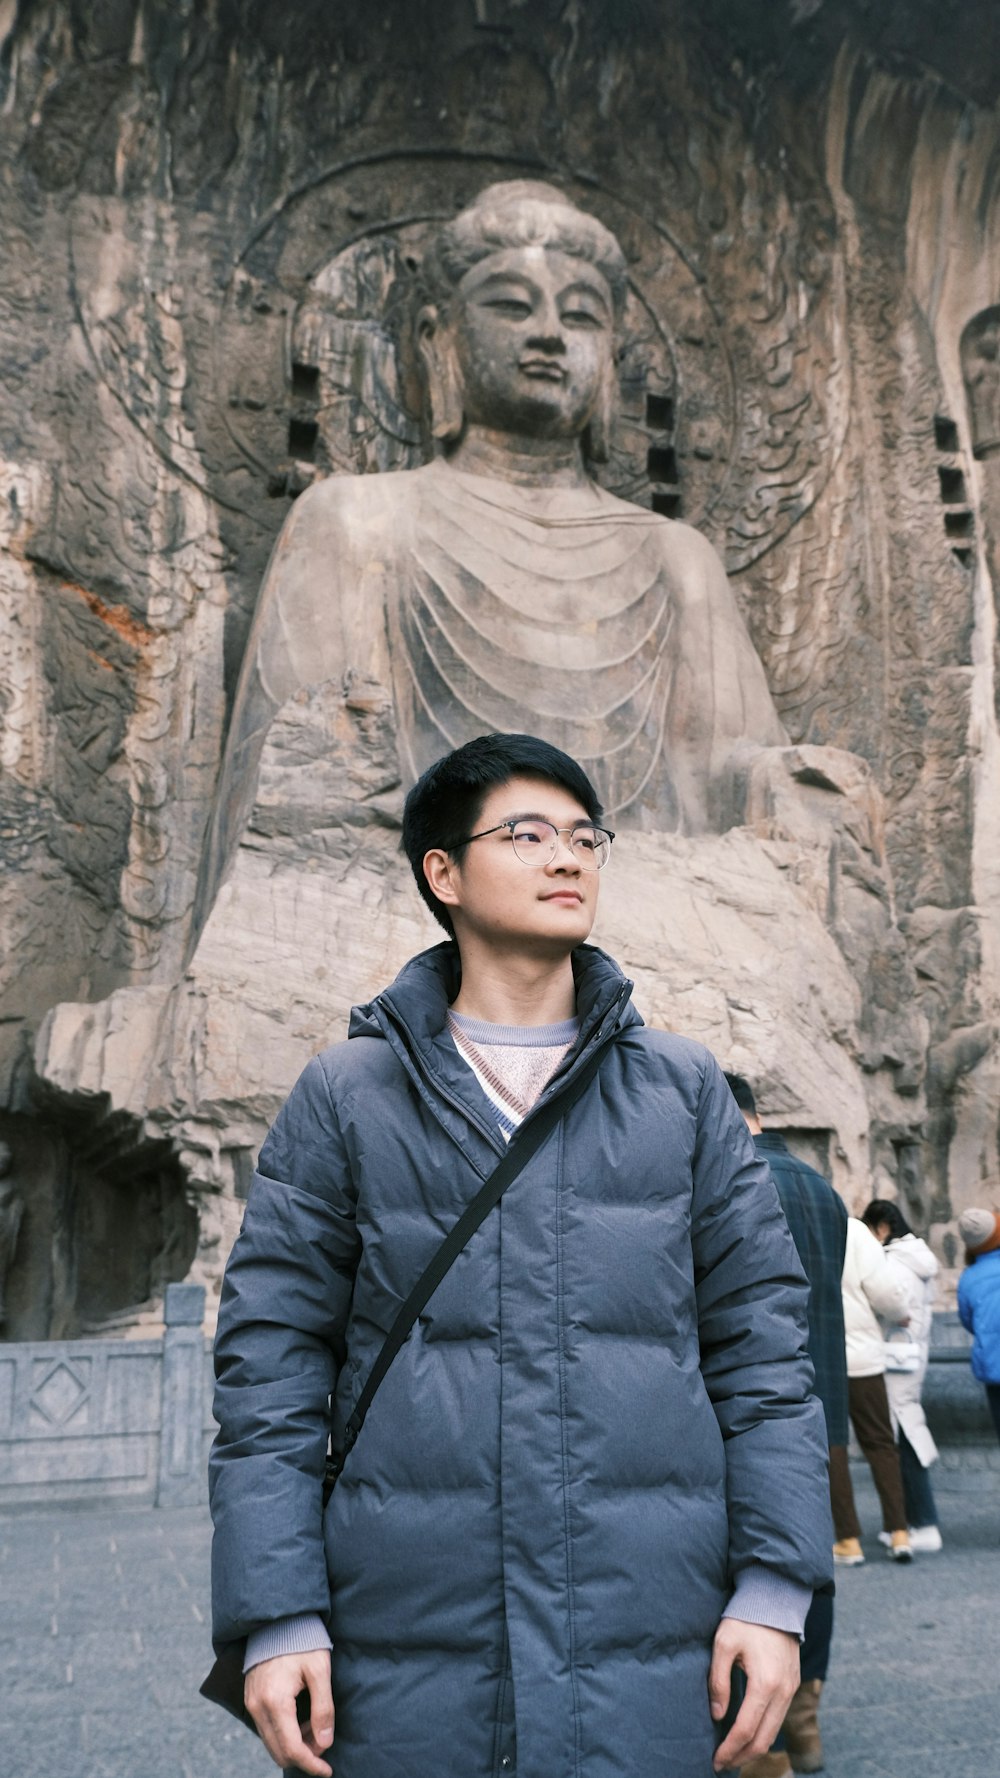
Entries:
{"x":498,"y":586}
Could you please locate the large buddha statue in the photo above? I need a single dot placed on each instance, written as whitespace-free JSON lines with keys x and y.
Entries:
{"x":499,"y":587}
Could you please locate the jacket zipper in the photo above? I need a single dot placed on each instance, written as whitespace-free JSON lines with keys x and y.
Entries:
{"x":501,"y":1699}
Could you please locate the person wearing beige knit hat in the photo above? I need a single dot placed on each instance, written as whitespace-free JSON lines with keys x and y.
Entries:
{"x":979,"y":1299}
{"x":980,"y":1230}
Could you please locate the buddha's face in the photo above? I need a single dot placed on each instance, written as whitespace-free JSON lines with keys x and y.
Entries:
{"x":533,"y":334}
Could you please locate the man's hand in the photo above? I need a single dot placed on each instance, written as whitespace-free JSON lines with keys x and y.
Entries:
{"x":270,"y":1691}
{"x":770,"y":1660}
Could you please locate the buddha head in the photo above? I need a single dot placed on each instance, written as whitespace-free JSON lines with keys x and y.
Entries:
{"x":527,"y":294}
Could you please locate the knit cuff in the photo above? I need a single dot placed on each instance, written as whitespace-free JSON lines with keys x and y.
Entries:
{"x":760,"y":1596}
{"x":301,"y":1635}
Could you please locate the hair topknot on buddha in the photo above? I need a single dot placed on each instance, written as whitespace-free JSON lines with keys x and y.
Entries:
{"x":523,"y":213}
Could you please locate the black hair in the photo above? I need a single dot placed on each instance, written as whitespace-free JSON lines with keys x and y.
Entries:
{"x":884,"y":1210}
{"x":742,"y":1092}
{"x":444,"y":805}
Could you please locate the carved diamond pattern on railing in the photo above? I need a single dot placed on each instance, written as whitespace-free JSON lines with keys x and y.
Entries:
{"x":63,"y":1394}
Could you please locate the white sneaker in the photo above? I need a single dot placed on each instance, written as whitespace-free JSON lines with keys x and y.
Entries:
{"x":926,"y":1539}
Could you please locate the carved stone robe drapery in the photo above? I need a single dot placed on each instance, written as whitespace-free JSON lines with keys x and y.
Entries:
{"x":468,"y":604}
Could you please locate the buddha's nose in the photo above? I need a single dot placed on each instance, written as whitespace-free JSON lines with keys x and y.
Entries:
{"x":551,"y":343}
{"x":547,"y":328}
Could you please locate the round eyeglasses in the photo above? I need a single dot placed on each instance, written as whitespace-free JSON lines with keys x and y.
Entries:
{"x":535,"y":842}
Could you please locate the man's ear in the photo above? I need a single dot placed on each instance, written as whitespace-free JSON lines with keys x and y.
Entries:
{"x":441,"y":873}
{"x":444,"y":378}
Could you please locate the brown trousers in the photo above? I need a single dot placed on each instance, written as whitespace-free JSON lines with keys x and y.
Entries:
{"x":868,"y":1405}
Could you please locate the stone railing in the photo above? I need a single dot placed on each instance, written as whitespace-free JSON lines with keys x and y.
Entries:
{"x":955,"y":1403}
{"x":109,"y":1419}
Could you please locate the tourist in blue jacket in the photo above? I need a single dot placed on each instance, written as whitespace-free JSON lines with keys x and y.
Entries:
{"x":594,"y":1478}
{"x":979,"y":1299}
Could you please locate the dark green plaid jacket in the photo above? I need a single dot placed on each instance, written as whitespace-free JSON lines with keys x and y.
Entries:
{"x":818,"y":1222}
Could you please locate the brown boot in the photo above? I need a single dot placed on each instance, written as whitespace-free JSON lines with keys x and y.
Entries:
{"x":801,"y":1728}
{"x":767,"y":1765}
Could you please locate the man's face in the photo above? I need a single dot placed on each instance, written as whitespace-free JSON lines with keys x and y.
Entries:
{"x":545,"y":910}
{"x":534,"y":333}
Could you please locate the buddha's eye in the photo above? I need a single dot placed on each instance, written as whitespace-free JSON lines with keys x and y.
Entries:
{"x":513,"y":307}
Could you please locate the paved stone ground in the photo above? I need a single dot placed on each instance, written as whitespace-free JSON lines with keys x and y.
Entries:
{"x":104,"y":1640}
{"x":912,"y":1690}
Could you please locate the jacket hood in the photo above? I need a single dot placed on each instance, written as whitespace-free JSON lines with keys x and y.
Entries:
{"x":914,"y":1253}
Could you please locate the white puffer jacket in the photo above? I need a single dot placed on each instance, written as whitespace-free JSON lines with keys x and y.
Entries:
{"x":919,"y":1270}
{"x":873,"y":1285}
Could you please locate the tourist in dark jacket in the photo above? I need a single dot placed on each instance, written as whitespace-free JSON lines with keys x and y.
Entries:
{"x":817,"y":1221}
{"x":594,"y":1479}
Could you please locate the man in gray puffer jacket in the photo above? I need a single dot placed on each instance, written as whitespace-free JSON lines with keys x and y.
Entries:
{"x":594,"y":1478}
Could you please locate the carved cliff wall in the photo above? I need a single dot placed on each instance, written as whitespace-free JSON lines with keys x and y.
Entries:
{"x":207,"y":218}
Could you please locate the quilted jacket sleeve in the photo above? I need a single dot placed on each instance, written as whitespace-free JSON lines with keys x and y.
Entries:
{"x":752,"y":1296}
{"x":279,"y":1347}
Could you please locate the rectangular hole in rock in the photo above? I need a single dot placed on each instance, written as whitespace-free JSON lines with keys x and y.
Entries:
{"x":963,"y":557}
{"x":945,"y":433}
{"x":661,"y":463}
{"x":958,"y":524}
{"x":305,"y":382}
{"x":667,"y":504}
{"x":952,"y":485}
{"x":660,"y":413}
{"x":302,"y":436}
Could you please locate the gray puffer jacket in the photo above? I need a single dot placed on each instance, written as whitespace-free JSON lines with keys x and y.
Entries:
{"x":601,"y":1417}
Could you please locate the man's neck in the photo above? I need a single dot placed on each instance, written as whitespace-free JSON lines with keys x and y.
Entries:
{"x":528,"y":461}
{"x":512,"y":990}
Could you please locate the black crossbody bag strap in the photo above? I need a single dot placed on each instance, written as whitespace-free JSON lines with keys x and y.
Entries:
{"x":523,"y":1144}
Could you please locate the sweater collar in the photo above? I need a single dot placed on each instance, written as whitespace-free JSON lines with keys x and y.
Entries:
{"x":411,"y":1016}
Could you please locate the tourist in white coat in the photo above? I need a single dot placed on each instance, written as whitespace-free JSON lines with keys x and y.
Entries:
{"x":917,"y":1450}
{"x":873,"y":1286}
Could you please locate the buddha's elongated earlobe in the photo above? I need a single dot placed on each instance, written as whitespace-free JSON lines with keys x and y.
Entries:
{"x":445,"y":394}
{"x":601,"y":423}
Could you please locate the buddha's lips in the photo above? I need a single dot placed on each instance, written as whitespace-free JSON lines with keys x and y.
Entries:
{"x":543,"y":369}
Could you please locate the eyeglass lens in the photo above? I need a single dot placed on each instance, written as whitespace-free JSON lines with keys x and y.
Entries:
{"x":535,"y":844}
